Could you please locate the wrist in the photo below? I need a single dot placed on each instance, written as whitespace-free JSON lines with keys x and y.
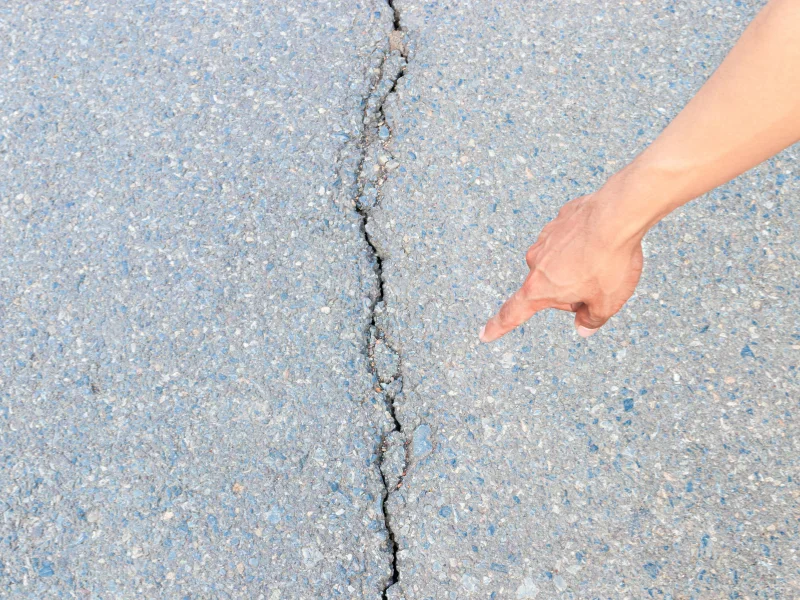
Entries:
{"x":631,"y":202}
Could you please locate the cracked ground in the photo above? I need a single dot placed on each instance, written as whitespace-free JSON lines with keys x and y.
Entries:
{"x":245,"y":250}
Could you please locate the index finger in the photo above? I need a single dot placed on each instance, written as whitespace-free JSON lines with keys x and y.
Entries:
{"x":515,"y":311}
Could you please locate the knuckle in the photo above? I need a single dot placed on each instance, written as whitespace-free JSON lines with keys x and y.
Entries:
{"x":600,"y":310}
{"x":567,"y":208}
{"x":599,"y":315}
{"x":530,"y":256}
{"x":608,"y":308}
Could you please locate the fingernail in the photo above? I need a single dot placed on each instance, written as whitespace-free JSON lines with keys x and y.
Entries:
{"x":585,"y":332}
{"x":481,"y":332}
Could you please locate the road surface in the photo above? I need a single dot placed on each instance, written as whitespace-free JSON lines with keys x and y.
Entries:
{"x":245,"y":250}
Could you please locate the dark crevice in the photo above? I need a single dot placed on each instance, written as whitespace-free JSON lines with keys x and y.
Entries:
{"x":374,"y":119}
{"x":395,"y":15}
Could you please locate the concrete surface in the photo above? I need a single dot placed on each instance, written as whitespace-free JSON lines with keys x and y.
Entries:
{"x":245,"y":250}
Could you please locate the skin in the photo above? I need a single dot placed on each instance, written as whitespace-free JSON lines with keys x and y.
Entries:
{"x":588,"y":260}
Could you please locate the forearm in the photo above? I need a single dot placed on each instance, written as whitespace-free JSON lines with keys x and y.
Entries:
{"x":746,"y":112}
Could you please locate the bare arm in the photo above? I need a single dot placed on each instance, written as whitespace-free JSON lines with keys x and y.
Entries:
{"x":588,"y":260}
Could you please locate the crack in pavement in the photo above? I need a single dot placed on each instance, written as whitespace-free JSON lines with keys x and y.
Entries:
{"x":368,"y":168}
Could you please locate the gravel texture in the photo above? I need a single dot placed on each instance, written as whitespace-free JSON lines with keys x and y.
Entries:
{"x":186,"y":408}
{"x":658,"y":458}
{"x":245,"y":251}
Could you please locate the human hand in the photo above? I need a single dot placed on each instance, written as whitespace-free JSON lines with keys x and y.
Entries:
{"x":588,"y":260}
{"x":583,"y":262}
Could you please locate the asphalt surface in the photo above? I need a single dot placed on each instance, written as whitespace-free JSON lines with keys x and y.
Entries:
{"x":245,"y":251}
{"x":186,"y":407}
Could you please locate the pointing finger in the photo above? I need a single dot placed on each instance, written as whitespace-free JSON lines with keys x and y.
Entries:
{"x":514,"y":312}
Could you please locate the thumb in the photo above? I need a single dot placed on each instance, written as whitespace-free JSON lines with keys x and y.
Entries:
{"x":589,"y":320}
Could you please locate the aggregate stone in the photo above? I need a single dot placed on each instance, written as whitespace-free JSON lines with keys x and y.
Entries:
{"x":422,"y":441}
{"x":387,"y":361}
{"x":394,"y":459}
